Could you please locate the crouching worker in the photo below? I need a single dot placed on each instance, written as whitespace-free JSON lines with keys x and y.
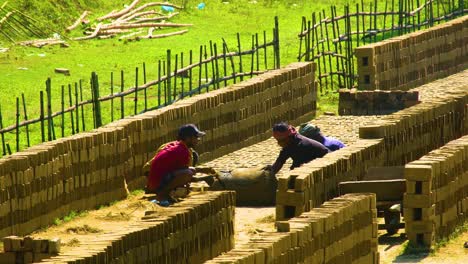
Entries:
{"x":295,"y":146}
{"x":313,"y":132}
{"x":171,"y":167}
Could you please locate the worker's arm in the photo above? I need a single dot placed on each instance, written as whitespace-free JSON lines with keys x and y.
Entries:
{"x":283,"y":156}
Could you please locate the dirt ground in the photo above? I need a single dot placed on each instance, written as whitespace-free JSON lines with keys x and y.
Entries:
{"x":248,"y":221}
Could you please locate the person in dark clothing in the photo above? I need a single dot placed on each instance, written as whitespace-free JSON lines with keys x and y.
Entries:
{"x":313,"y":132}
{"x":295,"y":146}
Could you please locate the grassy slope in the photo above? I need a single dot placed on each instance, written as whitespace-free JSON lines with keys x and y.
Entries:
{"x":103,"y":56}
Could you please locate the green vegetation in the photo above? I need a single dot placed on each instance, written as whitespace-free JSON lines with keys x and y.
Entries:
{"x":137,"y":192}
{"x":72,"y":215}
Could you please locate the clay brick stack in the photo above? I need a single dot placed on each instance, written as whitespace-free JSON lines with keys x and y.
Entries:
{"x":83,"y":171}
{"x":313,"y":183}
{"x":342,"y":230}
{"x":194,"y":230}
{"x":436,"y":200}
{"x":414,"y":59}
{"x":28,"y":250}
{"x":412,"y":132}
{"x":378,"y":102}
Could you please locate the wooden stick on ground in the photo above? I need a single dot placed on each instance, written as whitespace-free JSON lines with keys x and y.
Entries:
{"x":152,"y":19}
{"x":120,"y":19}
{"x":122,"y":26}
{"x":146,"y":6}
{"x":95,"y":33}
{"x":78,"y":21}
{"x":120,"y":13}
{"x":151,"y":36}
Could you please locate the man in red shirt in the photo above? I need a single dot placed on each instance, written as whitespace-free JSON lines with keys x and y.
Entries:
{"x":171,"y":167}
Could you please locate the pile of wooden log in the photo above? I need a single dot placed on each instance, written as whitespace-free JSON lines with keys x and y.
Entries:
{"x":131,"y":23}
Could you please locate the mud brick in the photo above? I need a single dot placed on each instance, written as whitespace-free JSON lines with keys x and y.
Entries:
{"x":289,"y":197}
{"x":418,"y":187}
{"x":419,"y":226}
{"x":418,"y":200}
{"x":418,"y":172}
{"x":7,"y":257}
{"x":54,"y":246}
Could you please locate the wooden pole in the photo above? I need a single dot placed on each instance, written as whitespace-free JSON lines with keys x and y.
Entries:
{"x":168,"y":79}
{"x":252,"y":57}
{"x":216,"y":65}
{"x":191,"y":72}
{"x":257,"y":52}
{"x":174,"y":96}
{"x":336,"y":49}
{"x":26,"y":119}
{"x":122,"y":101}
{"x":213,"y":71}
{"x":264,"y":50}
{"x":277,"y":42}
{"x":240,"y":56}
{"x":62,"y":104}
{"x":112,"y":99}
{"x":144,"y":91}
{"x":17,"y":123}
{"x":49,"y":110}
{"x":206,"y":69}
{"x":70,"y":99}
{"x":77,"y":109}
{"x":224,"y":64}
{"x":200,"y":64}
{"x":182,"y":76}
{"x":42,"y":116}
{"x":159,"y":82}
{"x":82,"y":107}
{"x":135,"y":99}
{"x":329,"y":49}
{"x":2,"y":134}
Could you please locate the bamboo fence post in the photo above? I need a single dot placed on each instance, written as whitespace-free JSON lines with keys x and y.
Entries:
{"x":159,"y":83}
{"x":70,"y":99}
{"x":252,"y":57}
{"x":82,"y":107}
{"x":357,"y":25}
{"x":8,"y":148}
{"x":375,"y":20}
{"x":277,"y":42}
{"x":393,"y":17}
{"x":168,"y":79}
{"x":93,"y":99}
{"x":240,"y":56}
{"x":174,"y":95}
{"x":328,"y":48}
{"x":144,"y":91}
{"x":384,"y":20}
{"x":231,"y":59}
{"x":77,"y":109}
{"x":41,"y":116}
{"x":322,"y":58}
{"x":224,"y":65}
{"x":26,"y":119}
{"x":216,"y":65}
{"x":3,"y":134}
{"x":419,"y":15}
{"x":62,"y":104}
{"x":213,"y":71}
{"x":336,"y":48}
{"x":165,"y":84}
{"x":112,"y":99}
{"x":49,"y":110}
{"x":96,"y":103}
{"x":122,"y":101}
{"x":190,"y":72}
{"x":182,"y":76}
{"x":343,"y":68}
{"x":17,"y":123}
{"x":264,"y":50}
{"x":206,"y":68}
{"x":257,"y":52}
{"x":301,"y":39}
{"x":200,"y":64}
{"x":135,"y":99}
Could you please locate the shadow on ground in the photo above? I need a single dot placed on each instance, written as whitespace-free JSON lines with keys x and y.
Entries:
{"x":408,"y":255}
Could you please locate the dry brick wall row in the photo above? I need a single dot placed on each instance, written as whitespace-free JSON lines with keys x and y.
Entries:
{"x":410,"y":133}
{"x":354,"y":102}
{"x":89,"y":169}
{"x":342,"y":230}
{"x":413,"y":59}
{"x":436,"y":198}
{"x":192,"y":231}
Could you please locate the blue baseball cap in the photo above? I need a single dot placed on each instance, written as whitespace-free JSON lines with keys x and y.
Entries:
{"x":190,"y":130}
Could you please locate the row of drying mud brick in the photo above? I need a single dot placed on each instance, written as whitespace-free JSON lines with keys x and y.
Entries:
{"x":436,"y":198}
{"x":27,"y":249}
{"x":414,"y":59}
{"x":411,"y":133}
{"x":83,"y":171}
{"x":378,"y":102}
{"x":342,"y":230}
{"x":392,"y":140}
{"x":192,"y":231}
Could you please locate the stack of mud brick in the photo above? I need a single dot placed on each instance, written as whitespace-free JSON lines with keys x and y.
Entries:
{"x":378,"y":102}
{"x":342,"y":230}
{"x":48,"y":181}
{"x":308,"y":186}
{"x":436,"y":200}
{"x":83,"y":171}
{"x":414,"y":59}
{"x":233,"y":117}
{"x":414,"y":131}
{"x":28,"y":250}
{"x":192,"y":231}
